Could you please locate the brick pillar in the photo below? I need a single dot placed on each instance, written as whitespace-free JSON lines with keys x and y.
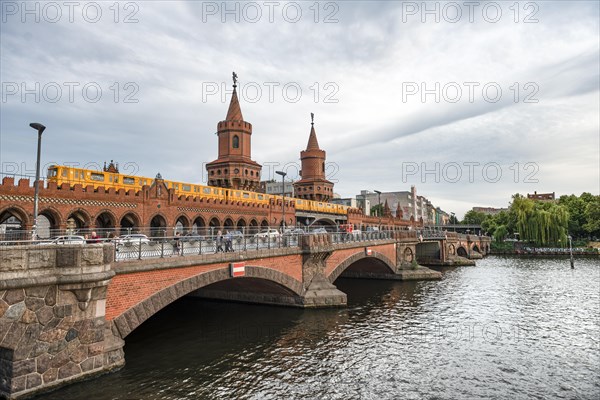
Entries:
{"x":318,"y":291}
{"x":52,"y":317}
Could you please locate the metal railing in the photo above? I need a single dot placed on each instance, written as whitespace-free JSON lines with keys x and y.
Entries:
{"x":138,"y":246}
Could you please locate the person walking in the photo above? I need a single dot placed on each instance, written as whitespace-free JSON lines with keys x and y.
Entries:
{"x":228,"y":242}
{"x":219,"y":241}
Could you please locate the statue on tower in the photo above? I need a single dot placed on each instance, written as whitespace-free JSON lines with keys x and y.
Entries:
{"x":234,"y":75}
{"x":312,"y":118}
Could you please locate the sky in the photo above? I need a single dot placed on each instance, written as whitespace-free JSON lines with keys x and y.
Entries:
{"x":471,"y":102}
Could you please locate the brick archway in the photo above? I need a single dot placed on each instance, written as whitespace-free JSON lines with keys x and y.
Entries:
{"x":17,"y":212}
{"x":381,"y":258}
{"x":170,"y":289}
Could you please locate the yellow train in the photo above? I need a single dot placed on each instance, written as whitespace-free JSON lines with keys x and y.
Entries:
{"x":111,"y":179}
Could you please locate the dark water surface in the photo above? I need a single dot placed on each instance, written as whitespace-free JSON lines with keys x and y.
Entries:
{"x":508,"y":328}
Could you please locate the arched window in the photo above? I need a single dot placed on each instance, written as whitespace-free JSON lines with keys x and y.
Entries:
{"x":236,"y":142}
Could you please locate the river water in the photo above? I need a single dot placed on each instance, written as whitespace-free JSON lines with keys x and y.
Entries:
{"x":519,"y":328}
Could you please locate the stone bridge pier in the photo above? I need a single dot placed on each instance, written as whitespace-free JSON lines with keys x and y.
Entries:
{"x":52,"y":317}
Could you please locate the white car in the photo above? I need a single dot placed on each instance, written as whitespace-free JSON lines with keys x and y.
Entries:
{"x":69,"y":239}
{"x":134,"y":238}
{"x":268,"y":233}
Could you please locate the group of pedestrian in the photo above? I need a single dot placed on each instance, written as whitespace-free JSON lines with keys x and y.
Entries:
{"x":227,"y":240}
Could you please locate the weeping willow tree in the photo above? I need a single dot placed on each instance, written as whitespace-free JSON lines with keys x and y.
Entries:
{"x":539,"y":222}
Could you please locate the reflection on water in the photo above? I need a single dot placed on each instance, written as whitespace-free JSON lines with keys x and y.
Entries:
{"x":508,"y":328}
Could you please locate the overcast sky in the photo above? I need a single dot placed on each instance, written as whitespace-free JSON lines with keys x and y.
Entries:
{"x":517,"y":90}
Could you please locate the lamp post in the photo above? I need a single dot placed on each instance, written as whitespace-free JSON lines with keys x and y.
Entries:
{"x":378,"y":200}
{"x":571,"y":252}
{"x":283,"y":174}
{"x":453,"y":220}
{"x":40,"y":129}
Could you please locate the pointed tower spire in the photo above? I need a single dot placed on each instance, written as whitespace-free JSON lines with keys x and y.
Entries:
{"x":235,"y":112}
{"x":313,"y":144}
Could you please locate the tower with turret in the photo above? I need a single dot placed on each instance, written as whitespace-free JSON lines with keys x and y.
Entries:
{"x":234,"y":167}
{"x":313,"y":185}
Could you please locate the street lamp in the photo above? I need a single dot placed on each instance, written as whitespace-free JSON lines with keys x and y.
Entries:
{"x":40,"y":129}
{"x":283,"y":174}
{"x":378,"y":199}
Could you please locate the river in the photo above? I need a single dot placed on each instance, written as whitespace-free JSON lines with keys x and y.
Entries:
{"x":519,"y":328}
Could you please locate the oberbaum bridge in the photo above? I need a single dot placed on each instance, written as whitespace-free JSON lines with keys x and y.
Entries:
{"x":65,"y":310}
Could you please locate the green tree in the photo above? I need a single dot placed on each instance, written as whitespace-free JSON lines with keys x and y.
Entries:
{"x":500,"y":233}
{"x":592,"y":217}
{"x":540,"y":222}
{"x":474,"y":218}
{"x":377,"y":210}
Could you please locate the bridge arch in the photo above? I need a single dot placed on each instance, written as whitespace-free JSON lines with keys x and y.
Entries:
{"x":53,"y":218}
{"x":130,"y":319}
{"x":241,"y":223}
{"x":461,"y":251}
{"x":182,"y":223}
{"x":129,"y":220}
{"x":158,"y":225}
{"x":476,"y":248}
{"x":105,"y":220}
{"x":198,"y":225}
{"x":380,"y":260}
{"x":214,"y":222}
{"x":78,"y":219}
{"x":17,"y":212}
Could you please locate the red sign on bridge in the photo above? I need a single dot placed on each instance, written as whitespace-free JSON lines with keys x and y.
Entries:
{"x":237,"y":269}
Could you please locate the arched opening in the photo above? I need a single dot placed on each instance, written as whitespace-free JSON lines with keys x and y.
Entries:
{"x":235,"y":142}
{"x":182,"y":224}
{"x":241,"y":225}
{"x":253,"y":226}
{"x":451,"y":250}
{"x":361,"y":266}
{"x":264,"y":224}
{"x":12,"y":224}
{"x":461,"y":252}
{"x":105,"y":224}
{"x":48,"y":223}
{"x":158,"y":226}
{"x":408,"y":255}
{"x":476,"y":248}
{"x":199,"y":225}
{"x":228,"y":224}
{"x":130,"y":222}
{"x":77,"y":222}
{"x":214,"y":222}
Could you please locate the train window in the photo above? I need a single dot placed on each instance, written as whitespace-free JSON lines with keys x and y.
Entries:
{"x":186,"y":188}
{"x":260,"y":197}
{"x":176,"y":185}
{"x":64,"y":173}
{"x":246,"y":195}
{"x":206,"y":190}
{"x":116,"y":179}
{"x":97,"y":177}
{"x":52,"y":172}
{"x":320,"y":204}
{"x":128,"y":180}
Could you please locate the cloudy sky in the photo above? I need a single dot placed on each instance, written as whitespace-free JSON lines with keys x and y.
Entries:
{"x":470,"y":103}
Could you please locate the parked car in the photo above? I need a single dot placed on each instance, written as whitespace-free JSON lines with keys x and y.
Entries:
{"x":68,"y":239}
{"x":191,"y":237}
{"x":134,"y":238}
{"x":296,"y":231}
{"x":268,"y":233}
{"x":236,"y":235}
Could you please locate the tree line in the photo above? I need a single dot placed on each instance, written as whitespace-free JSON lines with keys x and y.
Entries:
{"x":543,"y":222}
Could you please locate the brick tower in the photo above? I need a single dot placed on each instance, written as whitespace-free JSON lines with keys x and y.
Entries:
{"x":234,"y":167}
{"x":313,"y":185}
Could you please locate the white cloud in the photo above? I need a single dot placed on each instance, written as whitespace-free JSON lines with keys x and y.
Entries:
{"x":369,"y":54}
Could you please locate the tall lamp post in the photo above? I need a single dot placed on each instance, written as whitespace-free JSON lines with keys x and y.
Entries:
{"x":283,"y":174}
{"x":378,"y":200}
{"x":40,"y":129}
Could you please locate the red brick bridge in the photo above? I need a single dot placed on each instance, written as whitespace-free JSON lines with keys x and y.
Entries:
{"x":65,"y":310}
